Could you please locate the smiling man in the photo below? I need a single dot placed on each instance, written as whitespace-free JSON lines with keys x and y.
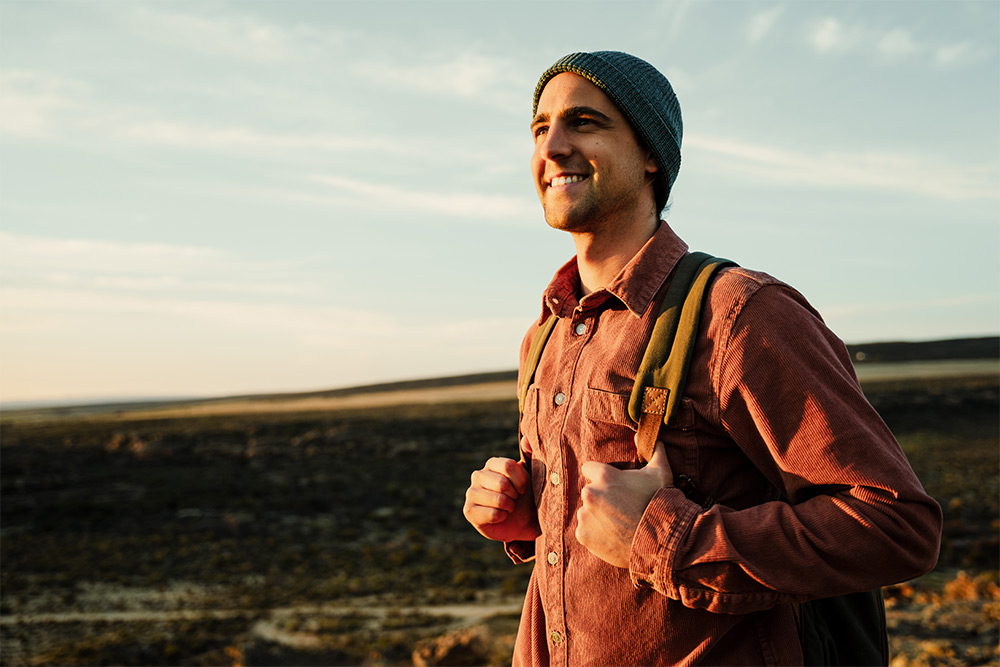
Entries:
{"x":811,"y":495}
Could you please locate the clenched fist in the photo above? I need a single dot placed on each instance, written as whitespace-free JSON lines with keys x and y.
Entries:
{"x":613,"y":502}
{"x":499,"y":502}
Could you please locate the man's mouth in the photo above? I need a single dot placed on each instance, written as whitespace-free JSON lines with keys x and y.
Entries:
{"x":565,"y":180}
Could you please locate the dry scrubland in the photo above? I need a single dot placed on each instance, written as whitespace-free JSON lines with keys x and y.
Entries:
{"x":336,"y":537}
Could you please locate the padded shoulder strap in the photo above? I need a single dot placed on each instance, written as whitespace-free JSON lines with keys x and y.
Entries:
{"x":659,"y":382}
{"x":531,"y":362}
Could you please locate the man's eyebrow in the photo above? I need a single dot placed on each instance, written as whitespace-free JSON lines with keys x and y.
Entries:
{"x":573,"y":112}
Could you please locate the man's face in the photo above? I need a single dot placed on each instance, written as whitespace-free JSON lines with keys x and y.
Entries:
{"x":589,"y":168}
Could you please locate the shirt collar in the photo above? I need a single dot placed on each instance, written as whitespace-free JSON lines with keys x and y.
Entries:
{"x":635,"y":286}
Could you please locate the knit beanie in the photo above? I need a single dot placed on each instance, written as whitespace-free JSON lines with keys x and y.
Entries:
{"x":642,"y":94}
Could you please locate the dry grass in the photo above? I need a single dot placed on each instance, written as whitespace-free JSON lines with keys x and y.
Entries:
{"x":288,"y":537}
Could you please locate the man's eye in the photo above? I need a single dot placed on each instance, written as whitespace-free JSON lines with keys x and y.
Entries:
{"x":540,"y":130}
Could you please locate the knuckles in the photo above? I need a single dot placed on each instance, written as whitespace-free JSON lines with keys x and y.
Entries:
{"x":509,"y":468}
{"x":595,"y":471}
{"x":478,"y":515}
{"x":504,"y":502}
{"x":495,"y":515}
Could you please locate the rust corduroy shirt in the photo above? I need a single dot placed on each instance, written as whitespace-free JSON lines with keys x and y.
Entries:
{"x":813,"y":496}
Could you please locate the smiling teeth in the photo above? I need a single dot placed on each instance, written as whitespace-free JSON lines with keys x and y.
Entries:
{"x":563,"y":180}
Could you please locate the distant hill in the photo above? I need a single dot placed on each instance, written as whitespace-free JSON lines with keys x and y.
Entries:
{"x":380,"y":388}
{"x":862,"y":354}
{"x":934,"y":350}
{"x":886,"y":352}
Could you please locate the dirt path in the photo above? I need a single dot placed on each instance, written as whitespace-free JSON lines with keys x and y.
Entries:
{"x":468,"y":613}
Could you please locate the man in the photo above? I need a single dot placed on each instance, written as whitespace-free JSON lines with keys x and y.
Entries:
{"x":812,"y":495}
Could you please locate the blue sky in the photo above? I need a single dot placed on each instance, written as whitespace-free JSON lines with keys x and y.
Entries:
{"x":207,"y":198}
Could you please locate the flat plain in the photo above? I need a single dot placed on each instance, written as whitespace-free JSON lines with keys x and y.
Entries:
{"x":333,"y":534}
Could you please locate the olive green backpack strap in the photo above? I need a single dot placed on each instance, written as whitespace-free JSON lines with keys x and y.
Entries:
{"x":659,"y":382}
{"x":530,"y":365}
{"x":531,"y":361}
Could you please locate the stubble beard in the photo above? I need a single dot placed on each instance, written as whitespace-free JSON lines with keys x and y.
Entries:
{"x":579,"y":217}
{"x":591,"y":213}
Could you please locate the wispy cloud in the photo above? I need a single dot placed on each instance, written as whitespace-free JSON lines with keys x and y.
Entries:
{"x":671,"y":15}
{"x":855,"y":310}
{"x":761,"y":23}
{"x":493,"y":80}
{"x":67,"y":304}
{"x":33,"y":103}
{"x":241,"y":37}
{"x":38,"y":105}
{"x":919,"y":175}
{"x":960,"y":53}
{"x":75,"y":254}
{"x":244,"y":139}
{"x":108,"y":267}
{"x":466,"y":75}
{"x":831,"y":35}
{"x":465,"y":205}
{"x":897,"y":44}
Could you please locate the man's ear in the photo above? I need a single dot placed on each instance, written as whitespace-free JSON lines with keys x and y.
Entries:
{"x":651,"y":166}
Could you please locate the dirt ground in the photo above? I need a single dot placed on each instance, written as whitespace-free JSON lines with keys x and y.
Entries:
{"x":336,"y":537}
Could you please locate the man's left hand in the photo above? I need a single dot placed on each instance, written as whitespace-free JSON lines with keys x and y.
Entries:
{"x":613,"y":504}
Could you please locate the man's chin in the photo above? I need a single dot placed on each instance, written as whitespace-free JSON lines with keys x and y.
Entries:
{"x":566,"y":220}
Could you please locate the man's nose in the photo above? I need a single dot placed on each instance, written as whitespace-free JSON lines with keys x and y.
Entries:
{"x":555,"y":143}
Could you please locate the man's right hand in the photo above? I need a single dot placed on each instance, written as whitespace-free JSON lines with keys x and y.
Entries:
{"x":499,"y":503}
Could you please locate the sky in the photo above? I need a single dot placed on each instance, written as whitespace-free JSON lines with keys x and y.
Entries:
{"x":214,"y":198}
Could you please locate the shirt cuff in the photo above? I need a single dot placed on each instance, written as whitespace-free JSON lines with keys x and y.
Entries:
{"x":667,"y":520}
{"x":520,"y":551}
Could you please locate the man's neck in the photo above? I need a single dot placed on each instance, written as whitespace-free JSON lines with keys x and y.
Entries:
{"x":601,"y":257}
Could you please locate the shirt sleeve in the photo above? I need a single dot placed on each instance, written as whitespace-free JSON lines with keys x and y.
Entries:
{"x":853,"y":515}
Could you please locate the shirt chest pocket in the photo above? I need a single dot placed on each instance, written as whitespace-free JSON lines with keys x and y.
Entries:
{"x":608,"y":433}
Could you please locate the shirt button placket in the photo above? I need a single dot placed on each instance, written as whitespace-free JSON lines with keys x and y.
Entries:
{"x":553,"y":556}
{"x":555,"y":570}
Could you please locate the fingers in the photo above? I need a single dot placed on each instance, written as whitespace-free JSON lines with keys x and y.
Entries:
{"x":505,"y":475}
{"x":494,"y":490}
{"x":482,"y":506}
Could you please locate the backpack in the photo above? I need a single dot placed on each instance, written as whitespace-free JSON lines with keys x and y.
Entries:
{"x":841,"y":630}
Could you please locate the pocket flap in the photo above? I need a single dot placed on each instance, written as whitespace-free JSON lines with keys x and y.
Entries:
{"x":607,"y":406}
